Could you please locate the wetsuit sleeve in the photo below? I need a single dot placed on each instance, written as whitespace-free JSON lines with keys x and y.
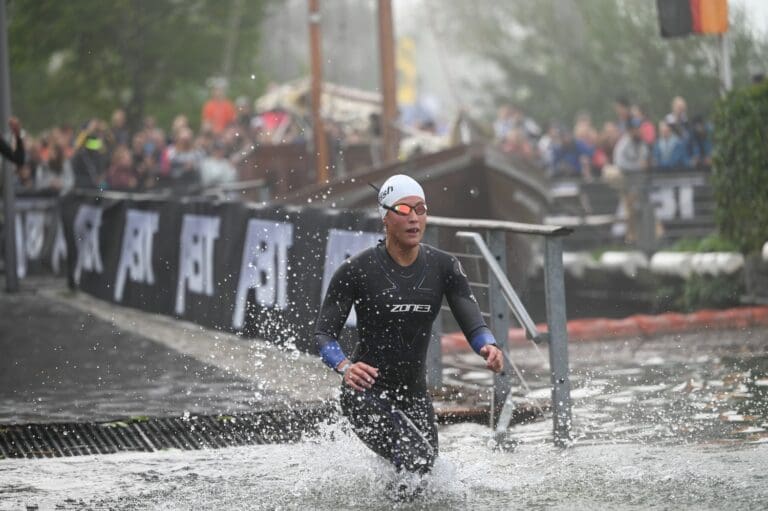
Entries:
{"x":333,"y":314}
{"x":464,"y":306}
{"x":16,"y":156}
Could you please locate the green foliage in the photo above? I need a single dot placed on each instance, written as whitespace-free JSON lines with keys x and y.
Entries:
{"x":704,"y":292}
{"x":685,"y":245}
{"x":699,"y":292}
{"x":740,"y":177}
{"x":666,"y":297}
{"x":711,"y":243}
{"x":557,"y":57}
{"x":74,"y":60}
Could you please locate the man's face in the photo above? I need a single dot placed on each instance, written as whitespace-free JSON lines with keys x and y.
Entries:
{"x":406,"y":230}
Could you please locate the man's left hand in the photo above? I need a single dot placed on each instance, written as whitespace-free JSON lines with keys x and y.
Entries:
{"x":494,"y":359}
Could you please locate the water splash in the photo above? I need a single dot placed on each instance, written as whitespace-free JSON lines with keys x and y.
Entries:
{"x":334,"y":471}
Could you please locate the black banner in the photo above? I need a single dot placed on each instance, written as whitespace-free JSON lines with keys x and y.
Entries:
{"x":40,"y":246}
{"x":256,"y":270}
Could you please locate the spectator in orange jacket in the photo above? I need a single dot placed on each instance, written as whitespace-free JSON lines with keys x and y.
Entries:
{"x":218,"y":111}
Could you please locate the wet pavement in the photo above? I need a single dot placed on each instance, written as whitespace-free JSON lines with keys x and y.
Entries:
{"x":61,"y":364}
{"x":69,"y":357}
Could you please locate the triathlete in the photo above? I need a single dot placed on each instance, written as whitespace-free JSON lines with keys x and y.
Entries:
{"x":397,"y":288}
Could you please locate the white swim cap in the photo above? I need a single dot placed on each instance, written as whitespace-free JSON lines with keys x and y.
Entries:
{"x":397,"y":187}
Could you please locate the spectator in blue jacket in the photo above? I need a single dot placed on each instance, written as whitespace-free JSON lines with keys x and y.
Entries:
{"x":572,"y":158}
{"x":669,"y":151}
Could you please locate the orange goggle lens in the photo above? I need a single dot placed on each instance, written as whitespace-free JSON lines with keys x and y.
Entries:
{"x":405,"y":209}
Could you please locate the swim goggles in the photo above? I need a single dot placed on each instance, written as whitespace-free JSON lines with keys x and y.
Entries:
{"x":405,"y":209}
{"x":401,"y":209}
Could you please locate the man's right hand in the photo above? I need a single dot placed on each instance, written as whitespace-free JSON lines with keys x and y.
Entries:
{"x":360,"y":376}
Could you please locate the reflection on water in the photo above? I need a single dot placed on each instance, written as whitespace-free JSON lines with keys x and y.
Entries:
{"x":677,"y":403}
{"x":674,"y":423}
{"x":676,"y":396}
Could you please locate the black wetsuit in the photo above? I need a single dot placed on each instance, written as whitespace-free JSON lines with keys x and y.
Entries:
{"x":395,"y":309}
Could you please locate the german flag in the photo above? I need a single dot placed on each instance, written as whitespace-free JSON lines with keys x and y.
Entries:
{"x":679,"y":18}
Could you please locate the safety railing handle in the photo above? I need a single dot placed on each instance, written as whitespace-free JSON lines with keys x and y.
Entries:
{"x":517,"y":307}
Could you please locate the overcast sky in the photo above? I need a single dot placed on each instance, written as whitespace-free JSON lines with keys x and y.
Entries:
{"x":758,"y":13}
{"x":435,"y":81}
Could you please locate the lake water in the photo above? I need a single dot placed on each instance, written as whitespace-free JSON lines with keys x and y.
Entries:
{"x":673,"y":423}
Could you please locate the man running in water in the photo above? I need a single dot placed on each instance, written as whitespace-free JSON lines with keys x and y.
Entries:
{"x":397,"y":288}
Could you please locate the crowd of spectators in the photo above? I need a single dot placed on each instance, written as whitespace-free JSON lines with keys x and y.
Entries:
{"x":185,"y":159}
{"x":630,"y":142}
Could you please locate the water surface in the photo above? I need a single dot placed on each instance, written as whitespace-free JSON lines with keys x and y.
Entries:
{"x":670,"y":423}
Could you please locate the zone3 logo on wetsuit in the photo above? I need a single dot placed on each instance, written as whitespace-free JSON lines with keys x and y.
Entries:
{"x":410,"y":307}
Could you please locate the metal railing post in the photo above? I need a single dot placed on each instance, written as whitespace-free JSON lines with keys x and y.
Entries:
{"x":503,"y":298}
{"x":499,"y":320}
{"x":646,"y":231}
{"x":434,"y":351}
{"x":558,"y":338}
{"x":8,"y":170}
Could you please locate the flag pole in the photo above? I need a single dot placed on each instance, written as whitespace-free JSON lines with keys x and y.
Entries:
{"x":726,"y":79}
{"x":316,"y":88}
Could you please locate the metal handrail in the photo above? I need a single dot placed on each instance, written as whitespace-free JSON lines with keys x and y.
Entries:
{"x":517,"y":307}
{"x":520,"y":312}
{"x":237,"y":186}
{"x":557,"y":333}
{"x":163,"y":193}
{"x":502,"y":225}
